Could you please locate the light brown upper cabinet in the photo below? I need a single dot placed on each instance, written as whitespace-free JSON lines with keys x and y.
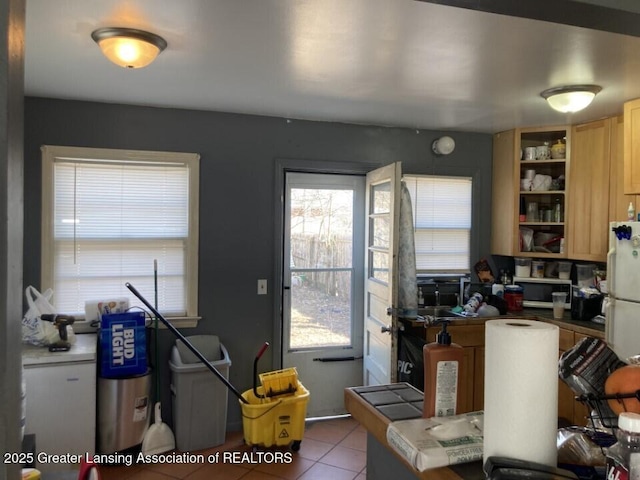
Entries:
{"x":618,"y":201}
{"x":588,"y":194}
{"x":632,"y":147}
{"x":512,"y":235}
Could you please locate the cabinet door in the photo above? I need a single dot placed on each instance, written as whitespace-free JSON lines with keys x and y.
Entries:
{"x":618,"y":201}
{"x":588,"y":215}
{"x":478,"y":379}
{"x":566,"y":397}
{"x":61,"y":409}
{"x":632,"y":147}
{"x":504,"y":192}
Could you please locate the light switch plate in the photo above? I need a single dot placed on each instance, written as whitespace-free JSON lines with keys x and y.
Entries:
{"x":262,"y":286}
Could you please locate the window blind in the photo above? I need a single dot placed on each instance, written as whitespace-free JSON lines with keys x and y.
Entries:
{"x":442,"y":219}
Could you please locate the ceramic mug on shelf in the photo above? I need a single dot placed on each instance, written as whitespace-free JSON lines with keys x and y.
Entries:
{"x":543,"y":152}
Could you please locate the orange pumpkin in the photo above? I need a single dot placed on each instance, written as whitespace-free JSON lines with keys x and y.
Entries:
{"x":623,"y":380}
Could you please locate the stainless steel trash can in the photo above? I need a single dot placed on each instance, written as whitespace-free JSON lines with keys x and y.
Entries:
{"x":124,"y":411}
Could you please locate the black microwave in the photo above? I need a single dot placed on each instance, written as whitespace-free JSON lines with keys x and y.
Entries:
{"x":537,"y":291}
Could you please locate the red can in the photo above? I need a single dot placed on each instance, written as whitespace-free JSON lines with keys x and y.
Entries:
{"x":513,"y":297}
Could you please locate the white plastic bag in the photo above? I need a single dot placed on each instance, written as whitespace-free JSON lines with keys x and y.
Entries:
{"x":35,"y":331}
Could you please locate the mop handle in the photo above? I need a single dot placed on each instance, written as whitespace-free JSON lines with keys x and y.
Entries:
{"x":188,"y":344}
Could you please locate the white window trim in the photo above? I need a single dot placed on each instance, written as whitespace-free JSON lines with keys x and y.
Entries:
{"x":192,"y":160}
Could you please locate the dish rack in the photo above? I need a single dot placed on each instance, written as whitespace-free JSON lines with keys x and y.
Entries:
{"x":603,"y":422}
{"x":600,"y":414}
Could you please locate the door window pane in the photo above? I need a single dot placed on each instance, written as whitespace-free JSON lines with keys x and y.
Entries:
{"x":380,"y":232}
{"x":320,"y":308}
{"x":321,"y":249}
{"x":381,"y":198}
{"x":379,"y":262}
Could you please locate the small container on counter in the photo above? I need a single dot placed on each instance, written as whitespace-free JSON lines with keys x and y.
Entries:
{"x":513,"y":294}
{"x":523,"y":267}
{"x":474,"y":303}
{"x":497,"y":289}
{"x":537,"y":269}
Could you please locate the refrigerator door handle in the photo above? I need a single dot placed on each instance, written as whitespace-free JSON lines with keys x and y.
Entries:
{"x":611,"y":274}
{"x":608,"y":314}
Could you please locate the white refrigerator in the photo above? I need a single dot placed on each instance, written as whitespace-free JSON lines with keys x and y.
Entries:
{"x":622,"y":311}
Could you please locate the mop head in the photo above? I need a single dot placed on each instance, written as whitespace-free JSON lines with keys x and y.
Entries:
{"x":159,"y":438}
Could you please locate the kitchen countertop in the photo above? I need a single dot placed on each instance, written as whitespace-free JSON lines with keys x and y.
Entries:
{"x":541,"y":314}
{"x":84,"y":350}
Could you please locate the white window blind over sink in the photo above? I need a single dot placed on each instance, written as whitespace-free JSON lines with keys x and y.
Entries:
{"x":442,"y":219}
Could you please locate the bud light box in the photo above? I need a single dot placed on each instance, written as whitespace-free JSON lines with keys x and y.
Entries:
{"x":123,"y":345}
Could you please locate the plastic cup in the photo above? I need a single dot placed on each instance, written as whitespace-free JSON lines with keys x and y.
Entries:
{"x":559,"y":299}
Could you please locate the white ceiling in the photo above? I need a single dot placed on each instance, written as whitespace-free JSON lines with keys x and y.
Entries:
{"x":383,"y":62}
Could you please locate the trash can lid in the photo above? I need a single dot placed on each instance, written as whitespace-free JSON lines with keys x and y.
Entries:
{"x":207,"y":345}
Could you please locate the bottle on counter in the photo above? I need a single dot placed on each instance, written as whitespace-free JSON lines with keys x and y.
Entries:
{"x":631,"y":212}
{"x":473,"y":303}
{"x":497,"y":289}
{"x":443,"y":363}
{"x":623,"y":458}
{"x":506,"y":277}
{"x":420,"y":298}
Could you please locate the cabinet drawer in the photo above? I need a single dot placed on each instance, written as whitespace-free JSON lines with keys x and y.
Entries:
{"x":463,"y":335}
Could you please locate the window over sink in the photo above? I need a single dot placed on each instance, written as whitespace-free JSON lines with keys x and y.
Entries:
{"x":442,"y":218}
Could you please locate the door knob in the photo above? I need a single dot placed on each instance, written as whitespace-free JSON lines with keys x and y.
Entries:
{"x":387,"y":329}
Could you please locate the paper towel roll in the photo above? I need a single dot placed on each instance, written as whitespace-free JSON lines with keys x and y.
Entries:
{"x":521,"y":390}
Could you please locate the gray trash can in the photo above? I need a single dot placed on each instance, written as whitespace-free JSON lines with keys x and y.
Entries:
{"x":199,"y":398}
{"x":124,"y":411}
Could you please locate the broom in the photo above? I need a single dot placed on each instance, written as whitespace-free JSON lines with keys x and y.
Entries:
{"x":159,"y":438}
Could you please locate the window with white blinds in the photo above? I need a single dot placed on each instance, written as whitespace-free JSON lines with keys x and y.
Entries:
{"x":442,"y":219}
{"x":107,"y":215}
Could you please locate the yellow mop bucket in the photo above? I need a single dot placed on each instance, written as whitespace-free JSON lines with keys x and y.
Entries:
{"x":274,"y":413}
{"x":274,"y":421}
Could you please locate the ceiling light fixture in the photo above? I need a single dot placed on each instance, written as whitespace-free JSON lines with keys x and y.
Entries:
{"x":129,"y":47}
{"x":443,"y":145}
{"x":571,"y":98}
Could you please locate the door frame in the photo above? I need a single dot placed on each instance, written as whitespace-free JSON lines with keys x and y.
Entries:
{"x":303,"y":166}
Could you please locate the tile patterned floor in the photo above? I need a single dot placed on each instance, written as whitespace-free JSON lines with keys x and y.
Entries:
{"x":331,"y":449}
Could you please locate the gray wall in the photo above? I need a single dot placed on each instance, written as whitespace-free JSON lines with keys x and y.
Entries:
{"x":239,"y":154}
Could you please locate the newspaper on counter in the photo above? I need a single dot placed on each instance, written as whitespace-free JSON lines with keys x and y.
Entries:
{"x":438,"y":441}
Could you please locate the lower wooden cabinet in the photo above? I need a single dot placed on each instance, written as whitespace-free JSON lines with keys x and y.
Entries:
{"x":471,"y":338}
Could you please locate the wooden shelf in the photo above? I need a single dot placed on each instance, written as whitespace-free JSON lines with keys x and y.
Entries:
{"x":542,"y":192}
{"x":543,"y":162}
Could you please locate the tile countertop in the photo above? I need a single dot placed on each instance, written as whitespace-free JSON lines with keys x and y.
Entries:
{"x":84,"y":350}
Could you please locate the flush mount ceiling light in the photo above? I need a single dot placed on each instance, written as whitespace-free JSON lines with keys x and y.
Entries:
{"x":443,"y":145}
{"x":571,"y":98}
{"x":129,"y":47}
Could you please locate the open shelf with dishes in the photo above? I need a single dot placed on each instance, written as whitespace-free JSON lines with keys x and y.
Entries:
{"x":542,"y":169}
